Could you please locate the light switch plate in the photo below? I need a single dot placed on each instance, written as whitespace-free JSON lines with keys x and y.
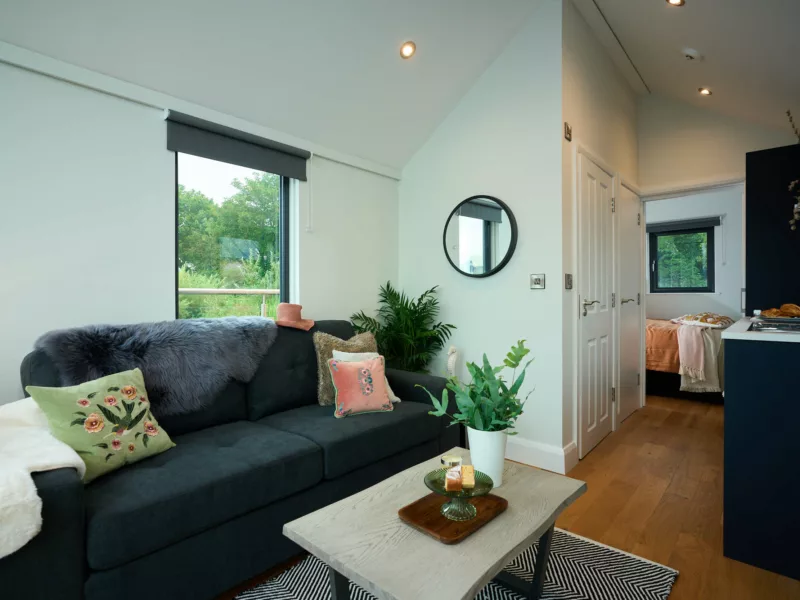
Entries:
{"x":537,"y":281}
{"x":568,"y":281}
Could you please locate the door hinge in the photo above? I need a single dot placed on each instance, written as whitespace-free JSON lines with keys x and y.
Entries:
{"x":613,"y":299}
{"x":613,"y":204}
{"x":638,"y":379}
{"x":638,"y":299}
{"x":613,"y":395}
{"x":639,"y":219}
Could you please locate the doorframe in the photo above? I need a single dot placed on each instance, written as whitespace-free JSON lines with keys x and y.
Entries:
{"x":665,"y":193}
{"x":578,"y":150}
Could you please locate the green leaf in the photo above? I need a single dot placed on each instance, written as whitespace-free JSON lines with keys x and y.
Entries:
{"x":92,"y":395}
{"x":463,"y":400}
{"x":145,"y":440}
{"x":112,"y":418}
{"x":137,"y":419}
{"x":138,"y":433}
{"x":78,"y":422}
{"x":84,"y":452}
{"x":102,"y":445}
{"x":479,"y":421}
{"x":78,"y":412}
{"x":109,"y":455}
{"x":113,"y":389}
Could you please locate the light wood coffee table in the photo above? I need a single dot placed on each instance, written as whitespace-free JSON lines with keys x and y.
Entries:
{"x":362,"y":539}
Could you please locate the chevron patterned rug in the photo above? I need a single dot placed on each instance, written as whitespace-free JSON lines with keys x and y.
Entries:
{"x":579,"y":569}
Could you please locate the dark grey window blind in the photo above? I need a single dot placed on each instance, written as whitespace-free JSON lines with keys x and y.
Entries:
{"x":684,"y":225}
{"x":478,"y":210}
{"x":199,"y":137}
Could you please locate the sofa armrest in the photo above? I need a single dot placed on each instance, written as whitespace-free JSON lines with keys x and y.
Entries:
{"x":52,"y":564}
{"x":404,"y":386}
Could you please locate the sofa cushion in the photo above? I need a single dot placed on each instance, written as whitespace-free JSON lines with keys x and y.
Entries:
{"x":228,"y":406}
{"x":357,"y":441}
{"x":210,"y":477}
{"x":287,"y":376}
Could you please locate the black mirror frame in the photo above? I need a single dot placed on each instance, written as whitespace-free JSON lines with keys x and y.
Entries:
{"x":512,"y":246}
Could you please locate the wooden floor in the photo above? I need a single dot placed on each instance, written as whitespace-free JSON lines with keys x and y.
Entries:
{"x":655,"y":489}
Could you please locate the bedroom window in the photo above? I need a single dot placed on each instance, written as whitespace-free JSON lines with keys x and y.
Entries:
{"x":231,"y":217}
{"x":681,"y":259}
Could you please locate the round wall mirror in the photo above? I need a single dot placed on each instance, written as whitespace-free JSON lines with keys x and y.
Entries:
{"x":480,"y":236}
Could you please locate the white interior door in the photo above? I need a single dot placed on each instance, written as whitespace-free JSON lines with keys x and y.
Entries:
{"x":629,"y":313}
{"x":595,"y":286}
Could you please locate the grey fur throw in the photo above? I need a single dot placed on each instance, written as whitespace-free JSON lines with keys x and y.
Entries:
{"x":185,"y":362}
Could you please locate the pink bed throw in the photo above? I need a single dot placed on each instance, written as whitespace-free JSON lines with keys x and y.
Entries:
{"x":692,"y":351}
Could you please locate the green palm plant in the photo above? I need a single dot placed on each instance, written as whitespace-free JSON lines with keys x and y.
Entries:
{"x":407,"y":330}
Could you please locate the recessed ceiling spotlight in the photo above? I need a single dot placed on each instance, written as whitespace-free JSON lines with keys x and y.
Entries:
{"x":704,"y":91}
{"x":676,"y":2}
{"x":408,"y":49}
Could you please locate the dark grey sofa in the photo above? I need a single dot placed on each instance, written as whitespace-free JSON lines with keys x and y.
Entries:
{"x":208,"y":514}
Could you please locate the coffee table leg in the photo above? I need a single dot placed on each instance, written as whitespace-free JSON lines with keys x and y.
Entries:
{"x":541,"y":564}
{"x":533,"y":590}
{"x":340,"y":586}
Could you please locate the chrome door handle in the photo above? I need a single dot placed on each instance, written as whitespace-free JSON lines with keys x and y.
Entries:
{"x":587,"y":304}
{"x":626,"y":300}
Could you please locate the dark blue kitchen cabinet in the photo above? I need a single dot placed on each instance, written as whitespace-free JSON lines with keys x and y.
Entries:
{"x":761,"y":523}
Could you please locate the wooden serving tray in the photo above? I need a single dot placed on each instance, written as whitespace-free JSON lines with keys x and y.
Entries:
{"x":424,"y":515}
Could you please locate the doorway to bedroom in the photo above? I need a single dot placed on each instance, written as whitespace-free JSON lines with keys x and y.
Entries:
{"x":694,"y":281}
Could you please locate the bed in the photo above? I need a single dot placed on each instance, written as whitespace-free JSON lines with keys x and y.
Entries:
{"x":663,"y":361}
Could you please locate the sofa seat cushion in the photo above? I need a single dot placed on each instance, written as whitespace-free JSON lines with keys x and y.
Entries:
{"x":351,"y":443}
{"x":210,"y":477}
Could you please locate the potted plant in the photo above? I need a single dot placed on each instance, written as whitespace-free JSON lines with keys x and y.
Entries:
{"x":406,"y":330}
{"x":488,"y":408}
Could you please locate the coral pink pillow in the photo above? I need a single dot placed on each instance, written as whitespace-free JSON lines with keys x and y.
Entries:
{"x":360,"y":387}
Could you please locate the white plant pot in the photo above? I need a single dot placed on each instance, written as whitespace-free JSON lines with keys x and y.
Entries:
{"x":488,"y":452}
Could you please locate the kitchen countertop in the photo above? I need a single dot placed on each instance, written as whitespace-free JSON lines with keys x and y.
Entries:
{"x":739,"y":331}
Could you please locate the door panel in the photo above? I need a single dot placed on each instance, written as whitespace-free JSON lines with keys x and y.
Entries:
{"x":595,"y":285}
{"x":629,"y":265}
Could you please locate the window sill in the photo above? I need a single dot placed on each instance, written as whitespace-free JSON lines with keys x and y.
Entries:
{"x":683,"y":294}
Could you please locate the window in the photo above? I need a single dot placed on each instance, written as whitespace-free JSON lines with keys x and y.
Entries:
{"x":231,"y":243}
{"x":475,"y":245}
{"x":231,"y":218}
{"x":681,"y":259}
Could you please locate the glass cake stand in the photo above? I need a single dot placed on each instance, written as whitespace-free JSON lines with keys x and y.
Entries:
{"x":459,"y":507}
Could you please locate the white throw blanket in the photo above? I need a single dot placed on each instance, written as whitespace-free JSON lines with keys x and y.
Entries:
{"x":711,"y":379}
{"x":26,"y":446}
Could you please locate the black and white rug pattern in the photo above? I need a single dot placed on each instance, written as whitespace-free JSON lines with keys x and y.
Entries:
{"x":579,"y":569}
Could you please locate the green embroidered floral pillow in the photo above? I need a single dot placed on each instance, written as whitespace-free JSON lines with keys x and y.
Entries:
{"x":106,"y":421}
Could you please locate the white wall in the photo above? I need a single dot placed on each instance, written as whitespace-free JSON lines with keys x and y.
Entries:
{"x":87,"y":232}
{"x":87,"y":228}
{"x":601,"y":108}
{"x":351,"y":248}
{"x":728,"y":269}
{"x":501,"y":140}
{"x":681,"y":145}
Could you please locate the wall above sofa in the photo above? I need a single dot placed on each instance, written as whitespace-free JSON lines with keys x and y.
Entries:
{"x":89,"y":233}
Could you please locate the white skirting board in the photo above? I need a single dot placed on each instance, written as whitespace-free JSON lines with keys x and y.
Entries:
{"x":545,"y":456}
